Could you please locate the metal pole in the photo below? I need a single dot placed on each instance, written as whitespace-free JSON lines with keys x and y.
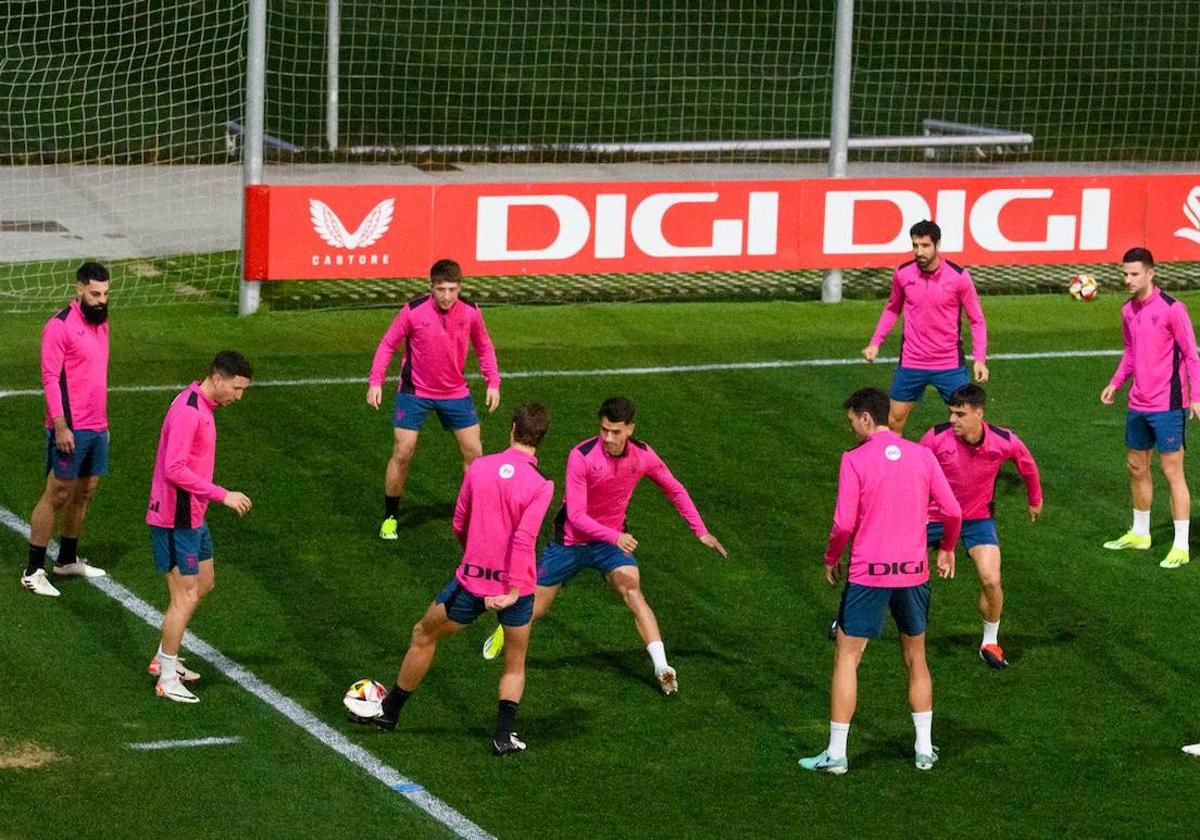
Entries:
{"x":839,"y":131}
{"x":332,"y":39}
{"x":252,"y":140}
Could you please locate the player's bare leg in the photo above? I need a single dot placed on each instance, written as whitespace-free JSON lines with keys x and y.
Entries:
{"x":898,"y":412}
{"x":843,"y":687}
{"x":1171,"y":464}
{"x":54,"y":500}
{"x":627,"y":581}
{"x":920,"y":698}
{"x":434,"y":626}
{"x":469,"y":444}
{"x":512,"y":687}
{"x":404,"y":444}
{"x":71,"y":525}
{"x":1141,"y":487}
{"x":991,"y":603}
{"x":185,"y":597}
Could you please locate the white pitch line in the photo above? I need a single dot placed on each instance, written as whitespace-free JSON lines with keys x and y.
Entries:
{"x":286,"y":706}
{"x":193,"y":742}
{"x":625,"y":371}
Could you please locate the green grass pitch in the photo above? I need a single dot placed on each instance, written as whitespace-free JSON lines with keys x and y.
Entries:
{"x":1080,"y":737}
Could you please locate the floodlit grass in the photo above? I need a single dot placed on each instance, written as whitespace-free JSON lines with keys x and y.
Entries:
{"x":1080,"y":737}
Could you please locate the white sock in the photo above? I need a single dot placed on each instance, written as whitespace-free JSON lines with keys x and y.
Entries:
{"x":1141,"y":522}
{"x":991,"y":629}
{"x":923,"y":722}
{"x":1181,"y":533}
{"x":167,"y":666}
{"x":658,"y":655}
{"x":838,"y":732}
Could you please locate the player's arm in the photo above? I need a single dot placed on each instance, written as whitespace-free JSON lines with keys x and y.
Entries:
{"x":674,"y":490}
{"x":396,"y":333}
{"x":1028,"y":470}
{"x":939,"y":490}
{"x":845,"y":517}
{"x":485,"y":352}
{"x":575,"y":495}
{"x":180,"y":434}
{"x":1185,"y":337}
{"x":462,"y":508}
{"x":970,"y":303}
{"x":54,"y":354}
{"x":1124,"y":367}
{"x":887,"y":319}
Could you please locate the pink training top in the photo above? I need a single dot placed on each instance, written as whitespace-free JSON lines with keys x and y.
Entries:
{"x":932,"y":305}
{"x":1159,"y":346}
{"x":599,"y":487}
{"x":75,"y":370}
{"x":971,"y":468}
{"x":884,"y":487}
{"x":435,"y":349}
{"x":182,"y":485}
{"x":500,"y":509}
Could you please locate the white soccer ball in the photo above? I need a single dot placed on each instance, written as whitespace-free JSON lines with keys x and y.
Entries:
{"x":1083,"y":287}
{"x":364,"y":699}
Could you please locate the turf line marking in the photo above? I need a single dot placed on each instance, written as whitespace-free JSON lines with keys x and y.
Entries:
{"x":193,"y":742}
{"x":626,"y":371}
{"x":286,"y":706}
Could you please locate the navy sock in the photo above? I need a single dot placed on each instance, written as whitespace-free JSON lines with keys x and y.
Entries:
{"x":506,"y":717}
{"x":37,"y":559}
{"x":68,"y":550}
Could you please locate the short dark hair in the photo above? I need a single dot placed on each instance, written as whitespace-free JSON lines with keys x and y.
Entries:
{"x":969,"y":394}
{"x":617,"y":410}
{"x":445,"y":271}
{"x":870,"y":401}
{"x":90,"y":271}
{"x":231,"y":363}
{"x":531,"y":421}
{"x":1139,"y":255}
{"x":926,"y":227}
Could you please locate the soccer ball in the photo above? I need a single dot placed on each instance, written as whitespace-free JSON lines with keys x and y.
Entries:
{"x":364,"y":699}
{"x":1083,"y":287}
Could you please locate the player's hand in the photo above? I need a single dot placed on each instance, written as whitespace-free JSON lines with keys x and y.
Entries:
{"x":870,"y":352}
{"x":945,"y":563}
{"x":1034,"y":512}
{"x":981,"y":372}
{"x":833,"y":573}
{"x":239,"y":502}
{"x":1109,"y":395}
{"x":715,"y":544}
{"x":492,"y":400}
{"x":374,"y":395}
{"x":1196,"y":411}
{"x":64,"y":438}
{"x":627,"y":543}
{"x":500,"y":602}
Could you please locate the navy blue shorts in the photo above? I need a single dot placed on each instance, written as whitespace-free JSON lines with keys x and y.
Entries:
{"x":560,"y":563}
{"x":90,"y":457}
{"x":410,"y":412}
{"x":908,"y":384}
{"x":181,"y":548}
{"x":1163,"y":430}
{"x":463,"y":607}
{"x":864,"y":609}
{"x":974,"y":532}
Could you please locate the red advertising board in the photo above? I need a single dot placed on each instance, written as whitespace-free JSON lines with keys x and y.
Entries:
{"x":332,"y":232}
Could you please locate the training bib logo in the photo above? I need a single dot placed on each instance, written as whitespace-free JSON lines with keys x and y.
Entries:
{"x":892,"y":453}
{"x":507,"y":471}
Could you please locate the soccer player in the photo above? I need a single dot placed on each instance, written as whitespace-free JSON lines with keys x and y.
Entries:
{"x":1160,"y":357}
{"x":180,"y":492}
{"x":435,"y":329}
{"x":500,"y":508}
{"x":931,"y":293}
{"x":75,"y":381}
{"x":971,"y":453}
{"x":590,"y":529}
{"x":885,"y":485}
